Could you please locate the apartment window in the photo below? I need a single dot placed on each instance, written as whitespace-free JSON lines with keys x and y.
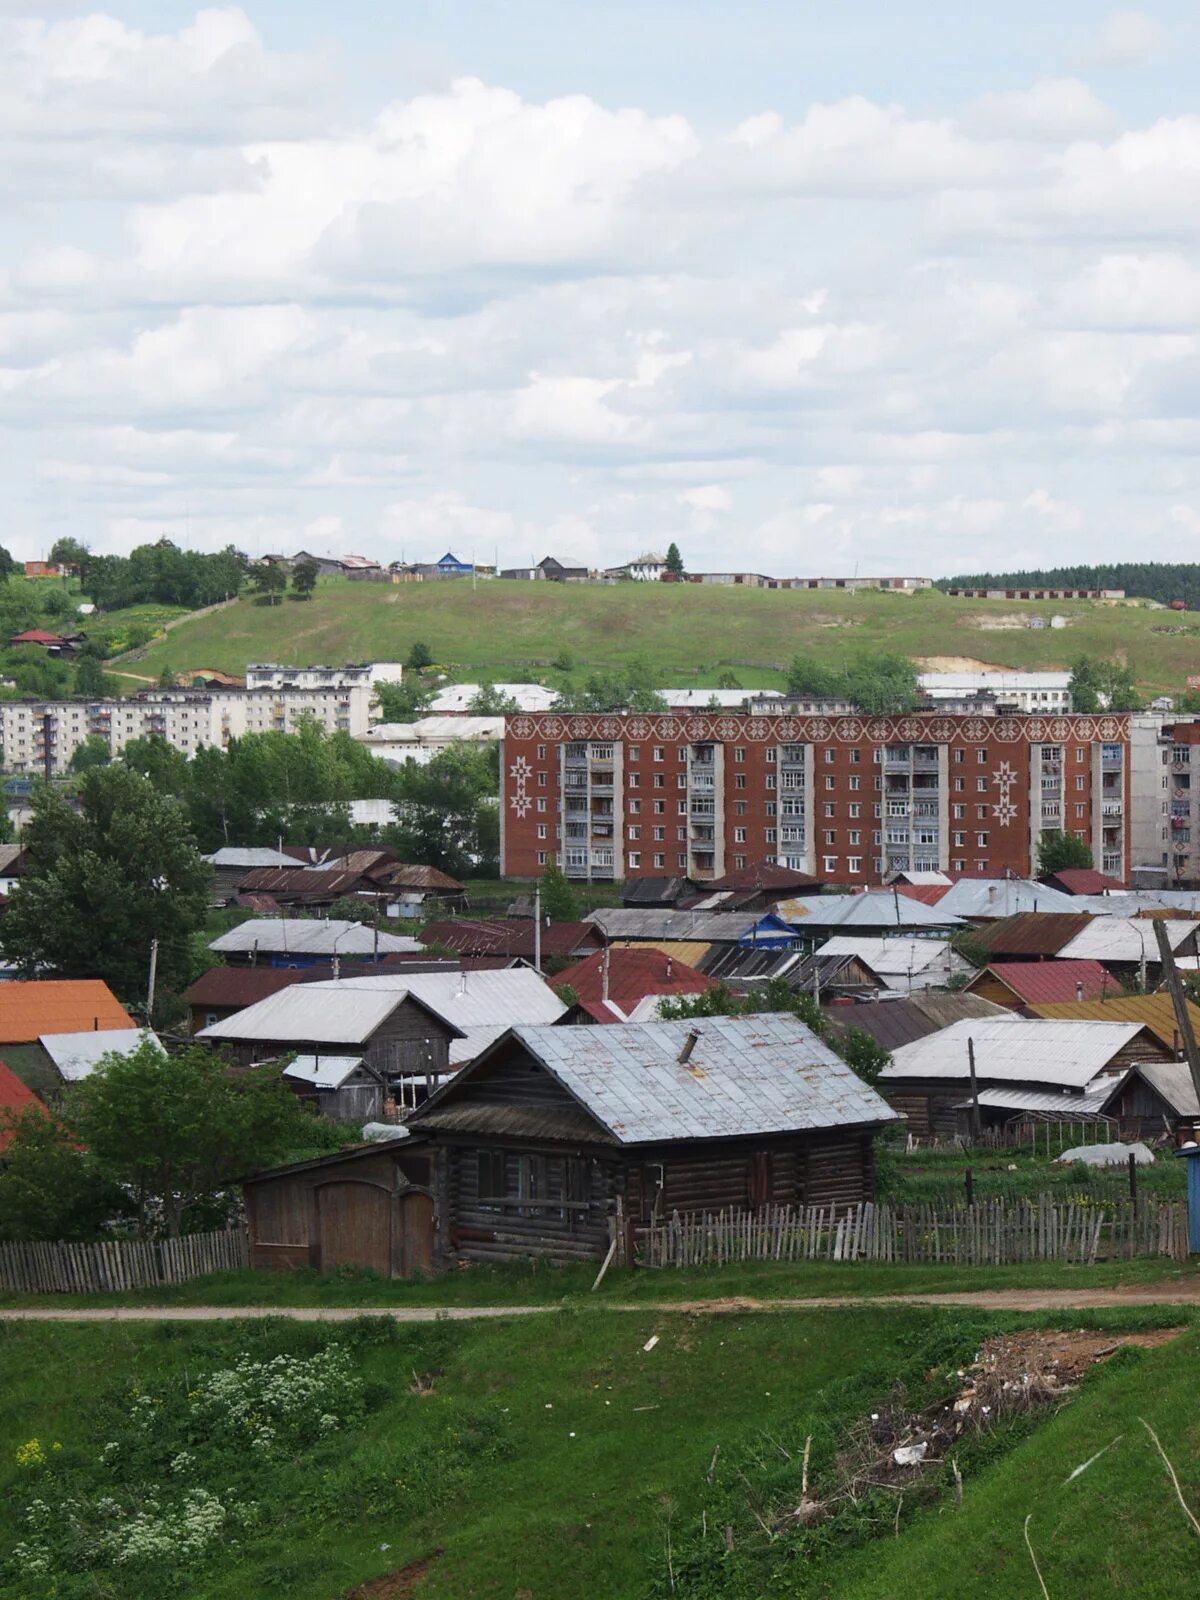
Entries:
{"x":681,"y":835}
{"x":877,"y":838}
{"x":854,"y":865}
{"x":830,"y":808}
{"x":635,"y":752}
{"x":828,"y":755}
{"x":769,"y":809}
{"x":635,"y":858}
{"x":959,"y":785}
{"x":981,"y":813}
{"x":771,"y":780}
{"x":541,"y":858}
{"x":682,"y":808}
{"x":877,"y":810}
{"x":981,"y":866}
{"x":635,"y":833}
{"x":830,"y":863}
{"x":981,"y":841}
{"x":739,"y":862}
{"x":659,"y":753}
{"x":660,"y":781}
{"x":855,"y":809}
{"x":739,"y":752}
{"x":830,"y":836}
{"x":541,"y":804}
{"x":855,"y":756}
{"x":770,"y":834}
{"x":770,"y":755}
{"x":1081,"y":810}
{"x":660,"y":808}
{"x":541,"y":780}
{"x":635,"y":807}
{"x":878,"y":783}
{"x":659,"y":835}
{"x":855,"y":782}
{"x":739,"y":836}
{"x":959,"y":813}
{"x":959,"y":757}
{"x":1079,"y":754}
{"x":660,"y":861}
{"x":681,"y":861}
{"x":960,"y":840}
{"x":739,"y":808}
{"x":831,"y":782}
{"x":1080,"y":783}
{"x":541,"y":830}
{"x":855,"y":836}
{"x":981,"y":785}
{"x":681,"y":780}
{"x":541,"y":755}
{"x":959,"y":866}
{"x":739,"y":780}
{"x":634,"y":780}
{"x":981,"y":757}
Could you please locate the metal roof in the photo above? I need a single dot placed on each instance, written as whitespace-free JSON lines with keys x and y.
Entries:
{"x":1002,"y":897}
{"x":528,"y":696}
{"x":1014,"y":1049}
{"x":1125,"y":939}
{"x":76,"y":1054}
{"x":931,"y":960}
{"x":692,"y":951}
{"x":1040,"y":982}
{"x":323,"y":1072}
{"x":231,"y":855}
{"x":745,"y":1076}
{"x":894,"y":1022}
{"x":1032,"y":934}
{"x":57,"y":1005}
{"x":1153,"y":1011}
{"x":1092,"y":1100}
{"x":875,"y":908}
{"x":1172,"y":1080}
{"x":632,"y":974}
{"x":307,"y":1012}
{"x":511,"y":936}
{"x":309,"y":936}
{"x":499,"y":998}
{"x":649,"y":923}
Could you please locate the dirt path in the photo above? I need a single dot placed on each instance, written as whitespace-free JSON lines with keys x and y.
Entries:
{"x":1167,"y":1294}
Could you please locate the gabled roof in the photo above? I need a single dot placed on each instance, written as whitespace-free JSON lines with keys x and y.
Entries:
{"x":632,"y":975}
{"x":301,"y":883}
{"x":250,"y":856}
{"x":15,"y":1099}
{"x":1032,"y":933}
{"x":1125,"y":939}
{"x":892,"y":1023}
{"x":655,"y":891}
{"x":1014,"y":1049}
{"x":693,"y":952}
{"x":1083,"y":880}
{"x":713,"y":927}
{"x":1173,"y":1081}
{"x":12,"y":860}
{"x":308,"y":936}
{"x":510,"y":938}
{"x":876,"y":908}
{"x":992,"y":898}
{"x":332,"y":1013}
{"x":899,"y":957}
{"x":322,"y":1072}
{"x":405,"y":875}
{"x":57,"y":1005}
{"x":768,"y":875}
{"x":1046,"y":981}
{"x":36,"y":636}
{"x":745,"y":1076}
{"x":75,"y":1055}
{"x":1152,"y":1011}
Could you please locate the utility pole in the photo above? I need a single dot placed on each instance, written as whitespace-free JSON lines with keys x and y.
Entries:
{"x":1179,"y":1000}
{"x":537,"y":928}
{"x":976,"y":1118}
{"x":153,"y":979}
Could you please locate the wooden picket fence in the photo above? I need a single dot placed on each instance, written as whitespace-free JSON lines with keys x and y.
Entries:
{"x":30,"y":1267}
{"x":992,"y":1233}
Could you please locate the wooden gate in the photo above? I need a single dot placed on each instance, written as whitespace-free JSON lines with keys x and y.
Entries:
{"x":416,"y":1233}
{"x":354,"y":1227}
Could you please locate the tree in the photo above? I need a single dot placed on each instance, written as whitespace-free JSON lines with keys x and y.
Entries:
{"x":1098,"y":683}
{"x":559,"y":901}
{"x":875,"y":683}
{"x":50,"y":1187}
{"x":728,"y":680}
{"x":403,"y":702}
{"x":1057,"y":851}
{"x":7,"y":565}
{"x":167,"y":678}
{"x":157,"y":759}
{"x":90,"y":681}
{"x":447,"y":814}
{"x":68,"y":552}
{"x":103,"y":882}
{"x":632,"y":690}
{"x":269,"y":583}
{"x":304,"y":579}
{"x":674,"y":561}
{"x":174,"y":1131}
{"x":487,"y":701}
{"x":94,"y":751}
{"x":420,"y":656}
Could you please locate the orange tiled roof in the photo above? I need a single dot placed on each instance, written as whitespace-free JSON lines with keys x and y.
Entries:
{"x":58,"y":1005}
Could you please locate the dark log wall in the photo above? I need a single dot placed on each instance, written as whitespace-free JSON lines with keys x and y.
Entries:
{"x":479,"y":1228}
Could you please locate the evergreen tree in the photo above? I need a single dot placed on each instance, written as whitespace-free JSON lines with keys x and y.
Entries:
{"x":674,"y":561}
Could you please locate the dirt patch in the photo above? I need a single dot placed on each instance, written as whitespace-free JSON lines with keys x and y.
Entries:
{"x":958,"y":664}
{"x":1054,"y":1356}
{"x":394,"y":1585}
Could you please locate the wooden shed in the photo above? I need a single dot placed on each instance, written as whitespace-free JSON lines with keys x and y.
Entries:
{"x":556,"y":1140}
{"x":370,"y":1207}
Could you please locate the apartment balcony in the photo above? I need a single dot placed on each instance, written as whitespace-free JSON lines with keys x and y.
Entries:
{"x":791,"y":755}
{"x":1112,"y":762}
{"x":792,"y":836}
{"x":1052,"y":814}
{"x":897,"y":763}
{"x":702,"y":835}
{"x":576,"y":753}
{"x":925,"y":785}
{"x":602,"y":830}
{"x":1114,"y":865}
{"x":602,"y":809}
{"x":897,"y":808}
{"x":922,"y":763}
{"x":576,"y":781}
{"x":577,"y":830}
{"x":602,"y":782}
{"x":701,"y":783}
{"x":792,"y":781}
{"x":925,"y":808}
{"x":702,"y":758}
{"x":703,"y":808}
{"x":897,"y":786}
{"x":1112,"y":808}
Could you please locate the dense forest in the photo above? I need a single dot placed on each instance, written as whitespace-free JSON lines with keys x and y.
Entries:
{"x":1143,"y":580}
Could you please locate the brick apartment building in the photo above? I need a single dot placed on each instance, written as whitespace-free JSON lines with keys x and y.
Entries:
{"x":850,"y":799}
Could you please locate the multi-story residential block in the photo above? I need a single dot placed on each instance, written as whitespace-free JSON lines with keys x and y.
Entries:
{"x":42,"y":736}
{"x":1165,"y":799}
{"x":1026,"y":691}
{"x":851,"y":799}
{"x":269,"y":675}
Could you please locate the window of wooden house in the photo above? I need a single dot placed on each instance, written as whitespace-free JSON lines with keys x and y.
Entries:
{"x":489,"y":1166}
{"x":759,"y":1178}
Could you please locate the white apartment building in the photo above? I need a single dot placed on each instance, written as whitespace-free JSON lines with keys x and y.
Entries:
{"x":1027,"y":691}
{"x":420,"y":741}
{"x":42,"y":736}
{"x":357,"y":674}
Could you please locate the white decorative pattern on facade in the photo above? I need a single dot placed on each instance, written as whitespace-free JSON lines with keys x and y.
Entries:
{"x":1004,"y":810}
{"x":819,"y":730}
{"x":519,"y":800}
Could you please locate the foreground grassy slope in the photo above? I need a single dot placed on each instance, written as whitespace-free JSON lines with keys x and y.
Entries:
{"x":687,"y":634}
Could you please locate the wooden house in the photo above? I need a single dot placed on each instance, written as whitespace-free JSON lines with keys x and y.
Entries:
{"x":556,"y":1141}
{"x":342,"y":1087}
{"x":1015,"y":984}
{"x":369,"y":1207}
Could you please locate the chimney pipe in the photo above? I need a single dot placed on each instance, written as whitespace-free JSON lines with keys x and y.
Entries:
{"x":670,"y":965}
{"x":689,"y":1044}
{"x":1079,"y":991}
{"x":604,"y":976}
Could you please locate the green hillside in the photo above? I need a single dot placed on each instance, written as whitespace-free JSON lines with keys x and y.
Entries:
{"x":687,"y":634}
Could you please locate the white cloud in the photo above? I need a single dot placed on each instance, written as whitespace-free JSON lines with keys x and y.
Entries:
{"x":708,"y":497}
{"x":1054,"y":108}
{"x":1126,"y":38}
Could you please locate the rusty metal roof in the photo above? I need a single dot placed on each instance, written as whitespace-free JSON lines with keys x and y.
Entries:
{"x":1154,"y":1011}
{"x":1032,"y":933}
{"x":892,"y":1023}
{"x":1045,"y":982}
{"x":745,"y":1076}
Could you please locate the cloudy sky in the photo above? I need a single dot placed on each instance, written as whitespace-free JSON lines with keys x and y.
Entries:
{"x":807,"y":288}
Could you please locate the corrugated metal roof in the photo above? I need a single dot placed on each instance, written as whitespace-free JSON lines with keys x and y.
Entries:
{"x":745,"y":1076}
{"x":1045,"y":981}
{"x":741,"y":963}
{"x":1002,"y":897}
{"x":1032,"y":933}
{"x":1084,"y":880}
{"x":235,"y":856}
{"x":1090,"y":1102}
{"x":1153,"y":1011}
{"x":57,"y":1005}
{"x":1172,"y":1080}
{"x":496,"y":998}
{"x":310,"y":883}
{"x":322,"y":1072}
{"x":15,"y":1099}
{"x":650,"y":924}
{"x":876,"y":908}
{"x":308,"y":936}
{"x":512,"y":937}
{"x":1014,"y":1049}
{"x":892,"y":1023}
{"x":930,"y":960}
{"x":76,"y":1054}
{"x":633,"y":973}
{"x":334,"y":1013}
{"x":691,"y":951}
{"x":1125,"y":939}
{"x":512,"y":1122}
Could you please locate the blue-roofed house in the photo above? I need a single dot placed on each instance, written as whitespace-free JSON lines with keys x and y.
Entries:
{"x":451,"y":567}
{"x":554,"y":1141}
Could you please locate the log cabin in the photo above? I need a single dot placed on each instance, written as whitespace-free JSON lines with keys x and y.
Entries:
{"x":557,"y":1141}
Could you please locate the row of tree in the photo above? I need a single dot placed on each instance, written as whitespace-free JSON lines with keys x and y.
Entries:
{"x":161,"y":573}
{"x":876,"y":683}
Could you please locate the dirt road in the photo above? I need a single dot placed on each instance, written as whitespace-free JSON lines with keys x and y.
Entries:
{"x":1167,"y":1294}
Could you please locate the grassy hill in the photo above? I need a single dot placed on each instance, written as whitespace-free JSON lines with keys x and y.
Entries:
{"x":688,"y":634}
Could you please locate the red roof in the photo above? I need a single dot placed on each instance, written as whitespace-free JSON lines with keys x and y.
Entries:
{"x":36,"y":636}
{"x":768,"y":875}
{"x":15,"y":1098}
{"x":632,"y":975}
{"x":512,"y":937}
{"x":1047,"y":982}
{"x":1083,"y":880}
{"x":927,"y":893}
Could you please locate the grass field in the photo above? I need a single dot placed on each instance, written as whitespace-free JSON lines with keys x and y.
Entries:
{"x":568,"y":1461}
{"x":687,"y":634}
{"x":938,"y":1177}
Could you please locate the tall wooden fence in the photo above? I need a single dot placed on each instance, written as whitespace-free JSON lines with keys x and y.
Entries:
{"x":61,"y":1268}
{"x":993,"y":1233}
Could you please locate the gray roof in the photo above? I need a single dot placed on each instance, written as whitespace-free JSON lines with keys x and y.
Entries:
{"x":1002,"y":897}
{"x":1014,"y":1049}
{"x":309,"y":936}
{"x":1090,"y":1103}
{"x":251,"y":856}
{"x":925,"y":961}
{"x":75,"y":1054}
{"x":711,"y":927}
{"x":1125,"y":939}
{"x":323,"y":1072}
{"x":333,"y":1013}
{"x":746,"y":1075}
{"x":1172,"y":1080}
{"x":875,"y":908}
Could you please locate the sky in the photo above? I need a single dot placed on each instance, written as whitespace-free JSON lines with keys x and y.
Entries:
{"x":808,"y":289}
